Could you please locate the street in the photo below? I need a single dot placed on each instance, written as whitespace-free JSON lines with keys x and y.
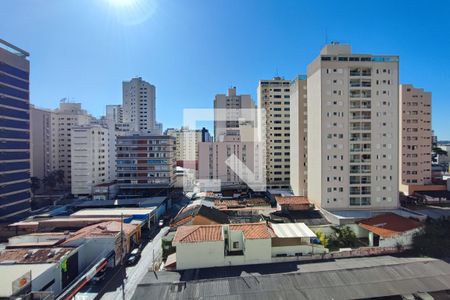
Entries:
{"x":112,"y":287}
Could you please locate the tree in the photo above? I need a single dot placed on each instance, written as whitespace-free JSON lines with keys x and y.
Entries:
{"x":434,"y":240}
{"x":59,"y":176}
{"x":50,"y":181}
{"x":35,"y":184}
{"x":439,"y":151}
{"x":324,"y":240}
{"x":343,"y":237}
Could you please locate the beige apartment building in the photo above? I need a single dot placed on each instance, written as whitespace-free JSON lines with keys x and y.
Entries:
{"x":89,"y":158}
{"x":353,"y":120}
{"x":298,"y":144}
{"x":64,"y":118}
{"x":415,"y":137}
{"x":274,"y":97}
{"x":213,"y":155}
{"x":41,"y":146}
{"x":229,"y":110}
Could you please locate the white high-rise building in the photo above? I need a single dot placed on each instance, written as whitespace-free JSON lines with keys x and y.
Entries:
{"x":415,"y":138}
{"x":298,"y":145}
{"x":67,"y":116}
{"x":228,"y":110}
{"x":41,"y":141}
{"x":139,"y":106}
{"x":89,"y":153}
{"x":274,"y":97}
{"x":353,"y":120}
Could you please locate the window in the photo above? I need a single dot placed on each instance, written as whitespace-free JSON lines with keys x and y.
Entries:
{"x":235,"y":245}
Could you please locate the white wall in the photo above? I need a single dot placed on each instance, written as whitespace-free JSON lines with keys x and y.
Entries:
{"x":404,"y":239}
{"x":200,"y":255}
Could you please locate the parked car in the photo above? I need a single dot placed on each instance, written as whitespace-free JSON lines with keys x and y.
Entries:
{"x":161,"y":223}
{"x":99,"y":276}
{"x":133,"y":257}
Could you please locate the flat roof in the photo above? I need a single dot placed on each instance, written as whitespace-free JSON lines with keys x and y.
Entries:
{"x":116,"y":212}
{"x":353,"y":278}
{"x":292,"y":230}
{"x":15,"y":271}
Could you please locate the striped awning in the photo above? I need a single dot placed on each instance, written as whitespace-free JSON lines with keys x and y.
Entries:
{"x":292,"y":230}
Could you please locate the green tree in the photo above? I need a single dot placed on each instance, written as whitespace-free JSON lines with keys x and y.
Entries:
{"x":343,"y":237}
{"x":433,"y":240}
{"x":49,"y":181}
{"x":439,"y":151}
{"x":324,"y":240}
{"x":59,"y":176}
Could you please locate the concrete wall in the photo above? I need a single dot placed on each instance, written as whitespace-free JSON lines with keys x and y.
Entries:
{"x":303,"y":249}
{"x":404,"y":239}
{"x":53,"y":273}
{"x":194,"y":255}
{"x":257,"y":250}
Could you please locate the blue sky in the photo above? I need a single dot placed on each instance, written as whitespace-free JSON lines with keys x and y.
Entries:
{"x":192,"y":50}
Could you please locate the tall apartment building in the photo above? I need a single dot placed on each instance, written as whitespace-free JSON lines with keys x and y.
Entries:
{"x":139,"y":106}
{"x":299,"y":129}
{"x":213,"y":155}
{"x":227,"y":114}
{"x":415,"y":137}
{"x":187,"y":140}
{"x":41,"y":144}
{"x":89,"y":158}
{"x":145,"y":164}
{"x":14,"y":133}
{"x":274,"y":97}
{"x":114,"y":113}
{"x":64,"y":118}
{"x":353,"y":119}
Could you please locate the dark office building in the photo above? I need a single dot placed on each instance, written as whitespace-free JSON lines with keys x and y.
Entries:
{"x":14,"y":133}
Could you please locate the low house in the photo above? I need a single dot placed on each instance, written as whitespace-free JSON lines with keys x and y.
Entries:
{"x":204,"y":246}
{"x":390,"y":230}
{"x":292,"y":203}
{"x":199,"y":215}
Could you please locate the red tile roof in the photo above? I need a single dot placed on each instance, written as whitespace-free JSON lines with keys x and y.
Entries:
{"x":253,"y":230}
{"x":111,"y":228}
{"x":292,"y":200}
{"x":198,"y":233}
{"x":33,"y":256}
{"x":389,"y":224}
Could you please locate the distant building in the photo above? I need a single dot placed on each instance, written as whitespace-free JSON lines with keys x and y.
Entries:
{"x":274,"y":98}
{"x":145,"y":164}
{"x":212,"y":165}
{"x":227,"y":111}
{"x":139,"y":107}
{"x":14,"y":132}
{"x":89,"y":153}
{"x":415,"y":138}
{"x":198,"y":214}
{"x":298,"y":138}
{"x":41,"y":142}
{"x":293,"y":203}
{"x":187,"y":141}
{"x":64,"y":118}
{"x":353,"y":139}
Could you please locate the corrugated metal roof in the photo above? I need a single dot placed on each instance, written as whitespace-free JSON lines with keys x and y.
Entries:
{"x":292,"y":230}
{"x":345,"y":279}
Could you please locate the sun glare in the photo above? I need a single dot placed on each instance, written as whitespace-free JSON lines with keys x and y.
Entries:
{"x":132,"y":12}
{"x":122,"y":3}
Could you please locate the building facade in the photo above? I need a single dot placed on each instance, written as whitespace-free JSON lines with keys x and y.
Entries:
{"x":64,"y":118}
{"x":274,"y":97}
{"x":353,"y":120}
{"x":139,"y":106}
{"x":187,"y":140}
{"x":213,"y":156}
{"x":415,"y":137}
{"x":228,"y":110}
{"x":89,"y":163}
{"x":299,"y":130}
{"x":14,"y":133}
{"x":41,"y":145}
{"x":145,"y":164}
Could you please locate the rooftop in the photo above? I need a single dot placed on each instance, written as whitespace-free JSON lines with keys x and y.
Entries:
{"x":33,"y":256}
{"x":188,"y":213}
{"x":292,"y":230}
{"x":354,"y":278}
{"x":253,"y":230}
{"x":198,"y":233}
{"x":390,"y":224}
{"x":110,"y":228}
{"x":292,"y":200}
{"x":113,"y":212}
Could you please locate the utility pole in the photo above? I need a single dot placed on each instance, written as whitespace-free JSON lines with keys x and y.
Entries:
{"x":122,"y":257}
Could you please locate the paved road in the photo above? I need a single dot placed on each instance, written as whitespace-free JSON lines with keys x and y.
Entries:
{"x":137,"y":272}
